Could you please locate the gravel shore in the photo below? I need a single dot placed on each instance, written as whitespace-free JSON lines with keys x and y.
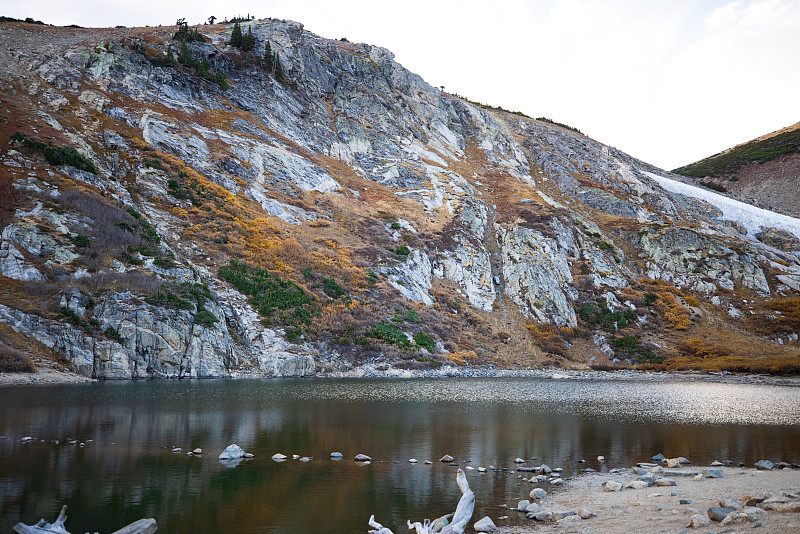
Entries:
{"x":669,"y":508}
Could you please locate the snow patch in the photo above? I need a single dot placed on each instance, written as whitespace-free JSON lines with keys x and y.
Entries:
{"x":751,"y":217}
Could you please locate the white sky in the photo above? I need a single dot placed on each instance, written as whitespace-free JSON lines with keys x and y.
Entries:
{"x":667,"y":81}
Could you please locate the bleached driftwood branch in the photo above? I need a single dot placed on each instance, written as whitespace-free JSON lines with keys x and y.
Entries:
{"x":142,"y":526}
{"x":443,"y":525}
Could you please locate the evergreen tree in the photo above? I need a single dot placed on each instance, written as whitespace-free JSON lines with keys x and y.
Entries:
{"x":269,"y":62}
{"x":185,"y":57}
{"x":249,"y":40}
{"x":279,"y":69}
{"x":236,"y":36}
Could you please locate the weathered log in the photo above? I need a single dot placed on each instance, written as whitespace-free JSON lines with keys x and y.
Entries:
{"x":142,"y":526}
{"x":462,"y":515}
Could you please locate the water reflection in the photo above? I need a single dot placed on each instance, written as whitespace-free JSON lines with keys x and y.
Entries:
{"x":128,"y":471}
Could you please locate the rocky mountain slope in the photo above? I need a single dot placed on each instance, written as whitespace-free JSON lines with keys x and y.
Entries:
{"x":172,"y":208}
{"x":764,"y":172}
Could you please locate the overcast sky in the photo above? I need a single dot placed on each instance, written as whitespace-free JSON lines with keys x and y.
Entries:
{"x":668,"y":81}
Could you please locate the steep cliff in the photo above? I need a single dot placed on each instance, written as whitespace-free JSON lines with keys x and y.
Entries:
{"x":171,"y":207}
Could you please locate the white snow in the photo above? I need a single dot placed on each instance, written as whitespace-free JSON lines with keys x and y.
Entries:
{"x":751,"y":217}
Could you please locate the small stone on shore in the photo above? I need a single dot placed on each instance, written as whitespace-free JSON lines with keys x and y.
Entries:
{"x":717,"y":513}
{"x":538,"y":493}
{"x":485,"y":525}
{"x":764,"y":465}
{"x":698,"y":521}
{"x":612,"y":485}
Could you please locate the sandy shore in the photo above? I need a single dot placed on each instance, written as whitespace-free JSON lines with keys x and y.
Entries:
{"x":658,"y":509}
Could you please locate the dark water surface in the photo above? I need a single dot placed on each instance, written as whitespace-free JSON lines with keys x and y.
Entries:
{"x":126,"y":474}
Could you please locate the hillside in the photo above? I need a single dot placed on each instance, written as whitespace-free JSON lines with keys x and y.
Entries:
{"x":764,"y":172}
{"x":170,"y":207}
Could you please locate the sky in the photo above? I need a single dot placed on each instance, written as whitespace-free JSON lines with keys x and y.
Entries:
{"x":667,"y":81}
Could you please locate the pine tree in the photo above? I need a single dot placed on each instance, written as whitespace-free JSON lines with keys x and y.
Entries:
{"x":185,"y":57}
{"x":279,"y":69}
{"x":269,"y":62}
{"x":249,"y":40}
{"x":236,"y":36}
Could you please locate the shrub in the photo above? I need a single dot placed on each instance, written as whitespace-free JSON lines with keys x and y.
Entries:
{"x":650,"y":298}
{"x":57,"y":155}
{"x":204,"y":317}
{"x":332,"y":288}
{"x":15,"y":361}
{"x":424,"y":340}
{"x":697,"y":348}
{"x":114,"y":334}
{"x":80,"y":240}
{"x":604,"y":318}
{"x":389,"y":334}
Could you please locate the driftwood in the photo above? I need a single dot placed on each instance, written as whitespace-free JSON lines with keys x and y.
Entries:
{"x":453,"y":523}
{"x":142,"y":526}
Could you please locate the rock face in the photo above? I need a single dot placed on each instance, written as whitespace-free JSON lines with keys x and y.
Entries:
{"x":372,"y":192}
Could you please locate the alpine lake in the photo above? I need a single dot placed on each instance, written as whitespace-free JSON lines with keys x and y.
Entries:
{"x":121,"y":466}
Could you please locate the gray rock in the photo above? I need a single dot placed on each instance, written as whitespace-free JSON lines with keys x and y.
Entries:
{"x":658,"y":457}
{"x":636,"y":484}
{"x":362,"y":458}
{"x":612,"y":485}
{"x":714,"y":472}
{"x":337,"y":455}
{"x":522,"y":505}
{"x":728,"y":501}
{"x":716,"y":513}
{"x":484,"y":525}
{"x":735,"y":517}
{"x":545,"y":469}
{"x":665,"y":482}
{"x":232,"y":452}
{"x":584,"y":513}
{"x":698,"y":521}
{"x":533,"y":508}
{"x":446,"y":458}
{"x":538,"y":493}
{"x":278,"y":457}
{"x":764,"y":465}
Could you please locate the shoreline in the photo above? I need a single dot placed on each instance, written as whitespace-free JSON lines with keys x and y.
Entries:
{"x":663,"y":508}
{"x":46,"y":374}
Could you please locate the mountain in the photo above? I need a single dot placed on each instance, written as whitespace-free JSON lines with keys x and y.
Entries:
{"x":764,"y":172}
{"x":171,"y":207}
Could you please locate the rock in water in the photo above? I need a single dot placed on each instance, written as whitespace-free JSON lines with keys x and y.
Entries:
{"x":232,"y":452}
{"x":446,"y":458}
{"x":362,"y":458}
{"x":337,"y":455}
{"x":197,"y":451}
{"x":485,"y":525}
{"x":521,"y":505}
{"x":278,"y":457}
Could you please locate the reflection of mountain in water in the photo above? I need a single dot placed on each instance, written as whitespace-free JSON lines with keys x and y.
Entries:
{"x":125,"y":473}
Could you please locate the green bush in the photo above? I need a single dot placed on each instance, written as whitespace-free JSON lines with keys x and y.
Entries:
{"x":56,"y":155}
{"x":604,"y":318}
{"x":80,"y":240}
{"x":113,"y":333}
{"x":332,"y":288}
{"x":205,"y":317}
{"x":268,"y":293}
{"x":424,"y":340}
{"x":389,"y":334}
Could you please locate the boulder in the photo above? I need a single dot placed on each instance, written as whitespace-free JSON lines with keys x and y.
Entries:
{"x":337,"y":455}
{"x":197,"y":451}
{"x":714,"y":472}
{"x":612,"y":485}
{"x":484,"y":525}
{"x":538,"y":493}
{"x":232,"y":452}
{"x":533,"y":508}
{"x":362,"y":458}
{"x":658,"y":457}
{"x":698,"y":521}
{"x":729,"y":501}
{"x":764,"y":465}
{"x":636,"y":484}
{"x":584,"y":513}
{"x":717,"y":513}
{"x":522,"y":505}
{"x":446,"y":459}
{"x":278,"y":457}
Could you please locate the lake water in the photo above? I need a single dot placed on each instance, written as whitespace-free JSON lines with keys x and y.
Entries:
{"x":126,"y":472}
